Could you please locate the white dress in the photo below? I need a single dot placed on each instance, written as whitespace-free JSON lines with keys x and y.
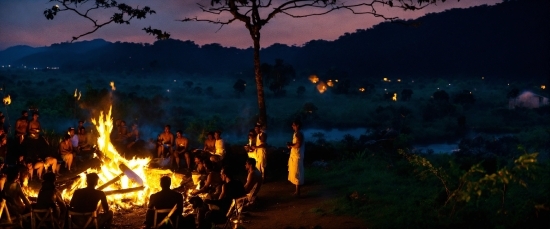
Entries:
{"x":260,"y":155}
{"x":296,"y":163}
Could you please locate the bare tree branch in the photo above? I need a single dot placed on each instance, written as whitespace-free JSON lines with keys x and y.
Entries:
{"x":124,"y":14}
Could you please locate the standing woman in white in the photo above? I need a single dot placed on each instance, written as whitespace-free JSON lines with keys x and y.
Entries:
{"x":296,"y":159}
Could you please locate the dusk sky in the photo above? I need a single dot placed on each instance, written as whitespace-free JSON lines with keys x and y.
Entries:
{"x":22,"y":23}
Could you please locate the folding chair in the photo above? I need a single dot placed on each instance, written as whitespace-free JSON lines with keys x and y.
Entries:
{"x":252,"y":194}
{"x":91,"y":219}
{"x":166,"y":220}
{"x":235,"y":210}
{"x":43,"y":216}
{"x":4,"y":209}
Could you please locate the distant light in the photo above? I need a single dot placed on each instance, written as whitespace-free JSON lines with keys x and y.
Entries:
{"x":385,"y":89}
{"x":470,"y":92}
{"x":413,"y":81}
{"x":398,"y":80}
{"x":508,"y":84}
{"x":362,"y":89}
{"x":336,"y":80}
{"x":449,"y":84}
{"x":385,"y":79}
{"x":483,"y":77}
{"x":167,"y":90}
{"x":245,"y":85}
{"x":543,"y":87}
{"x":174,"y":81}
{"x":437,"y":88}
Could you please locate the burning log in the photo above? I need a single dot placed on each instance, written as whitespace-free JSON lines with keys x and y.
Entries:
{"x":123,"y":191}
{"x":112,"y":181}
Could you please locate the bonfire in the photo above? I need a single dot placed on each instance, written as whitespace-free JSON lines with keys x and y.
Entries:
{"x":126,"y":183}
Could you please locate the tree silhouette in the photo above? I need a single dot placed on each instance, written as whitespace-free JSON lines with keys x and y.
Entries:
{"x":406,"y":94}
{"x":239,"y":86}
{"x":278,"y":76}
{"x":254,"y":14}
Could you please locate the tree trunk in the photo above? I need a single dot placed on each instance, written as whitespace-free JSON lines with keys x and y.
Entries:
{"x":259,"y":80}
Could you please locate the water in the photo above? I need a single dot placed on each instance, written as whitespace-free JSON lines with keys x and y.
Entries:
{"x":334,"y":134}
{"x":446,"y":148}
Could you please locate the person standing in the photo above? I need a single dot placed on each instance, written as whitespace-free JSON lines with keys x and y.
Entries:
{"x":296,"y":159}
{"x":261,"y":158}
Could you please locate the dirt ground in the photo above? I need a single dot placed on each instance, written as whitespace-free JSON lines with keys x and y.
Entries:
{"x":275,"y":208}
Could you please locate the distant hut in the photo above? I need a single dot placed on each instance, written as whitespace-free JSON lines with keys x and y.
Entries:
{"x":528,"y":100}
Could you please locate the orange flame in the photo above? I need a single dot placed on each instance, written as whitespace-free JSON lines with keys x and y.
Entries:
{"x":314,"y":79}
{"x":127,"y":173}
{"x":321,"y":87}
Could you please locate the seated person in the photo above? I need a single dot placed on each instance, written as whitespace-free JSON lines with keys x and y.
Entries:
{"x":199,"y":165}
{"x":50,"y":197}
{"x":254,"y":177}
{"x":165,"y":142}
{"x":16,"y":200}
{"x":213,"y":182}
{"x":165,"y":199}
{"x":133,"y":136}
{"x":231,"y":189}
{"x":210,"y":143}
{"x":3,"y":144}
{"x":86,"y":200}
{"x":66,"y":151}
{"x":181,"y":149}
{"x":219,"y":153}
{"x":83,"y":145}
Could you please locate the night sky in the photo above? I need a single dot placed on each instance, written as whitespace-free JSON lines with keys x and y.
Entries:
{"x":22,"y":23}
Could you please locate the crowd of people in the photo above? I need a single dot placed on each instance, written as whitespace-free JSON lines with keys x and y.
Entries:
{"x":218,"y":178}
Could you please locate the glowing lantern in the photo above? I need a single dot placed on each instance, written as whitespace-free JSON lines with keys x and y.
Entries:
{"x":394,"y":98}
{"x":321,"y":87}
{"x":7,"y":100}
{"x":385,"y":79}
{"x":362,"y":89}
{"x":330,"y":83}
{"x":543,"y":87}
{"x":313,"y":78}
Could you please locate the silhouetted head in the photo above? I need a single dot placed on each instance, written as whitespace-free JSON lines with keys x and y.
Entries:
{"x":165,"y":182}
{"x":49,"y":177}
{"x":92,"y":179}
{"x":250,"y":163}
